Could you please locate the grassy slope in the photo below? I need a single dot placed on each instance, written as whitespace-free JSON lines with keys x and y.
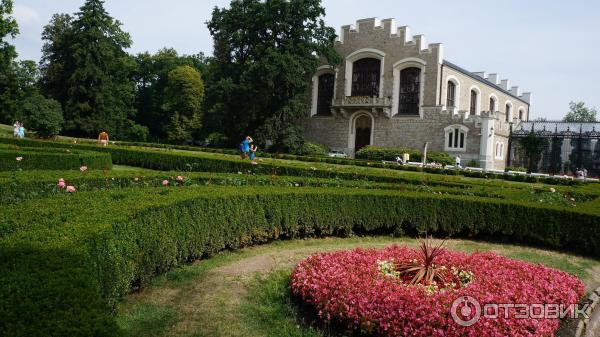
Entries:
{"x":245,"y":293}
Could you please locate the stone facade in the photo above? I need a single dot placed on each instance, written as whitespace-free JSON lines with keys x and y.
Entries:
{"x":483,"y":135}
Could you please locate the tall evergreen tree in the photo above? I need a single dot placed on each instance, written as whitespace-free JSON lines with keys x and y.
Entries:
{"x":85,"y":68}
{"x":265,"y":52}
{"x":184,"y":95}
{"x":9,"y":91}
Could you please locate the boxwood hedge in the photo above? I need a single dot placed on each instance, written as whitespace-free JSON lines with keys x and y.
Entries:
{"x":66,"y":260}
{"x":51,"y":159}
{"x":165,"y":159}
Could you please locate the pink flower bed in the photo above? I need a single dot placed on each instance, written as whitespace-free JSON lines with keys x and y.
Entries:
{"x":349,"y":288}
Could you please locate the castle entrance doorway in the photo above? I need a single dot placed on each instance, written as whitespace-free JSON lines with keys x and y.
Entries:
{"x":362,"y":132}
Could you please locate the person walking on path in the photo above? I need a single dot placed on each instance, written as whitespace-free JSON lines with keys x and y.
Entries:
{"x":16,"y":128}
{"x":253,"y":149}
{"x":103,"y":138}
{"x":21,"y":131}
{"x":245,"y":147}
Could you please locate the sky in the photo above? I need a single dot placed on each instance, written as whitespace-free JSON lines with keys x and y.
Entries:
{"x":549,"y":48}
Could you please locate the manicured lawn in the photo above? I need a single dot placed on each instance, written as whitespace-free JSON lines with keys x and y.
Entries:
{"x":245,"y":293}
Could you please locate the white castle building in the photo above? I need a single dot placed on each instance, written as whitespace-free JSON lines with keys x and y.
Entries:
{"x":395,"y":90}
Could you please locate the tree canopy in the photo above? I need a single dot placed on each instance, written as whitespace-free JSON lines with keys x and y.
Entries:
{"x":183,"y":99}
{"x":85,"y":68}
{"x":264,"y":54}
{"x":578,"y":112}
{"x":9,"y":90}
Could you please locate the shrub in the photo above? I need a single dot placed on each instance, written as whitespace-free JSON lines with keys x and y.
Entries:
{"x":313,"y":149}
{"x":390,"y":154}
{"x":52,"y":159}
{"x":340,"y":286}
{"x":44,"y":116}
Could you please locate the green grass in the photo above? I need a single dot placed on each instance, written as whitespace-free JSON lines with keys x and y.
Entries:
{"x":252,"y":297}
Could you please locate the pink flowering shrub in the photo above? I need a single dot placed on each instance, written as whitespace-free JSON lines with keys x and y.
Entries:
{"x":61,"y":183}
{"x":19,"y":158}
{"x":361,"y":290}
{"x":70,"y":189}
{"x":165,"y":182}
{"x":179,"y":178}
{"x":83,"y":168}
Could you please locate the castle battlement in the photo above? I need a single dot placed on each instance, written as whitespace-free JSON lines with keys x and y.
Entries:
{"x":389,"y":28}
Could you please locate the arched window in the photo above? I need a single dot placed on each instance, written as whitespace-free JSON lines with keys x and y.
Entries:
{"x":473,"y":108}
{"x":508,"y":112}
{"x":492,"y":104}
{"x":325,"y":94}
{"x":456,"y":138}
{"x":410,"y":90}
{"x":451,"y":95}
{"x":521,"y":114}
{"x":499,"y":150}
{"x":366,"y":73}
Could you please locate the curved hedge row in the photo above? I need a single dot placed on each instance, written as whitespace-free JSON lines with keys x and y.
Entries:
{"x":51,"y":159}
{"x":63,"y":265}
{"x":198,"y":161}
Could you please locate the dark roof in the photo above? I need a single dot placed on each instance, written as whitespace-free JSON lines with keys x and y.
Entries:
{"x":560,"y":127}
{"x":483,"y":80}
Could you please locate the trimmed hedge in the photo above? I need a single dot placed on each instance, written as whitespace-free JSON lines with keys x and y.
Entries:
{"x":66,"y":260}
{"x":51,"y":159}
{"x":205,"y":162}
{"x":388,"y":153}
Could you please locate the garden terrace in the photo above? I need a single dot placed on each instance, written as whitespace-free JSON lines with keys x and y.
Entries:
{"x":89,"y":249}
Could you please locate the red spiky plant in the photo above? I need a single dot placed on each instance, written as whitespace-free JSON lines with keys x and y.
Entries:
{"x":425,"y":271}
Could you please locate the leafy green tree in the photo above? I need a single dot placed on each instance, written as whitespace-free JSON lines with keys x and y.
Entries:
{"x":184,"y":94}
{"x":264,"y":54}
{"x":578,"y":112}
{"x":56,"y":64}
{"x":151,"y":76}
{"x":85,"y":67}
{"x":9,"y":91}
{"x":42,"y":115}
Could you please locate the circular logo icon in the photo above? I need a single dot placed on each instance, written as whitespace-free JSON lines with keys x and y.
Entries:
{"x":465,"y":311}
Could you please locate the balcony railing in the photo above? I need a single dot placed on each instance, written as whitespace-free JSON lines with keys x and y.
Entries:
{"x":363,"y":102}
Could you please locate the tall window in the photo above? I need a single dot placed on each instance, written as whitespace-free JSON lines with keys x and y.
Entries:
{"x":325,"y":96}
{"x":456,"y":138}
{"x":410,"y":91}
{"x":492,"y":104}
{"x":508,"y":112}
{"x":365,"y":77}
{"x":521,"y":114}
{"x":451,"y":95}
{"x":473,"y":109}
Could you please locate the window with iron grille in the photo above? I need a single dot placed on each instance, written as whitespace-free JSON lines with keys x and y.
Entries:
{"x":451,"y":95}
{"x":410,"y":91}
{"x":365,"y":77}
{"x":325,"y":94}
{"x":473,"y":109}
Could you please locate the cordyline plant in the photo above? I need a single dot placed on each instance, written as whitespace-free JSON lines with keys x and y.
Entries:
{"x":426,"y":272}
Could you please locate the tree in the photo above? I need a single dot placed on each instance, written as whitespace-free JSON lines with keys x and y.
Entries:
{"x":86,"y":69}
{"x":263,"y":58}
{"x":151,"y":76}
{"x":534,"y":147}
{"x":9,"y":93}
{"x":578,"y":112}
{"x":42,"y":115}
{"x":57,"y":60}
{"x":184,"y":94}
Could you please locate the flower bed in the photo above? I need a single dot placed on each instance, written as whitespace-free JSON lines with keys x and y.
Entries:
{"x":361,"y":290}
